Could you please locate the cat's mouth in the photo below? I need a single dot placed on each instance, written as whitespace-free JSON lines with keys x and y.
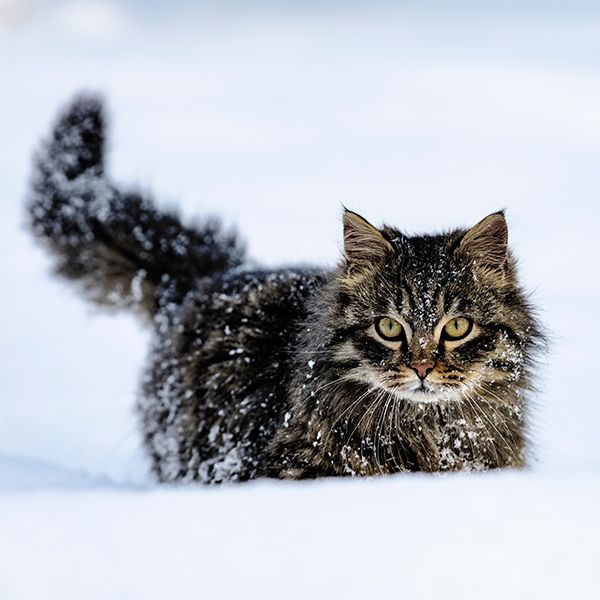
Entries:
{"x":416,"y":390}
{"x":426,"y":392}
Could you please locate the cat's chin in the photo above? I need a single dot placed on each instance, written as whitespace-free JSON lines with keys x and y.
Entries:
{"x":427,"y":393}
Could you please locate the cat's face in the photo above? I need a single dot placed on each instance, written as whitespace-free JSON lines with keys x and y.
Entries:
{"x":429,"y":318}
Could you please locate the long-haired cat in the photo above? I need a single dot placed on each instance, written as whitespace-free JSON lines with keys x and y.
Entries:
{"x":415,"y":353}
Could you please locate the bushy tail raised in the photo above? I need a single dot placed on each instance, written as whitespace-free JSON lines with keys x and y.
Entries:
{"x":119,"y":248}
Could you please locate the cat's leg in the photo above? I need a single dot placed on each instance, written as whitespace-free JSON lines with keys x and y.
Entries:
{"x":118,"y":247}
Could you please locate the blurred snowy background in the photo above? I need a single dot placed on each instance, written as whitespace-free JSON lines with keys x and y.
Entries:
{"x":426,"y":115}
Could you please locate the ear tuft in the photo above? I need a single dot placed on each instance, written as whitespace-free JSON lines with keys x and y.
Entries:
{"x":486,"y":244}
{"x":363,"y":243}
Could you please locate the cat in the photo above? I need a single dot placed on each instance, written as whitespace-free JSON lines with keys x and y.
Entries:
{"x":416,"y":353}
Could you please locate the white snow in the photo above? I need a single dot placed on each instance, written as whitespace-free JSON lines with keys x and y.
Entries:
{"x":426,"y":116}
{"x":517,"y":536}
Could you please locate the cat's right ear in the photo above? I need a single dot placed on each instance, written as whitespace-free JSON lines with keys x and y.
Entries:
{"x":364,"y":244}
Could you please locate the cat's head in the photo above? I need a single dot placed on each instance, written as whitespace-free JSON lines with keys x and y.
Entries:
{"x":430,"y":318}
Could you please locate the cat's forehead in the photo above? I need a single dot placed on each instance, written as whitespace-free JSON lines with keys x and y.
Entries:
{"x":422,"y":246}
{"x":427,"y":277}
{"x":425,"y":260}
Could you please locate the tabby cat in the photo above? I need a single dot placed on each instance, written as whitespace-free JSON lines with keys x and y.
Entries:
{"x":414,"y":354}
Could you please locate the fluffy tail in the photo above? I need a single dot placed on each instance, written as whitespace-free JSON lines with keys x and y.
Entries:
{"x":120,"y":249}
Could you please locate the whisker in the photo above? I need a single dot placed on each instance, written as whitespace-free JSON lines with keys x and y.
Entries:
{"x":372,"y":406}
{"x":379,"y":431}
{"x":346,"y":410}
{"x":341,"y":379}
{"x":507,"y":445}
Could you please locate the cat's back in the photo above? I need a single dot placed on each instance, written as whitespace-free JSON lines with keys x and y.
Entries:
{"x":216,"y":386}
{"x":252,"y":304}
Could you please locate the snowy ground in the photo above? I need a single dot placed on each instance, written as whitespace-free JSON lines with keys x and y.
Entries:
{"x":427,"y":116}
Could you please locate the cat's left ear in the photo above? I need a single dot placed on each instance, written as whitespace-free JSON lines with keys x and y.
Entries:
{"x":486,"y":244}
{"x":364,"y":244}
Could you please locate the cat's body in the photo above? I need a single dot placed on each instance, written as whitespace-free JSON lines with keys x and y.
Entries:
{"x":298,"y":372}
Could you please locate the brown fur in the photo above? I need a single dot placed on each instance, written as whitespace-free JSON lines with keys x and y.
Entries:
{"x":286,"y":372}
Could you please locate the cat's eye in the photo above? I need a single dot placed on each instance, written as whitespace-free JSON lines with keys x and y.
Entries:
{"x":457,"y":329}
{"x":389,"y":329}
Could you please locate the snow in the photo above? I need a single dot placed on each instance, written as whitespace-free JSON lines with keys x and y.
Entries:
{"x":427,"y":117}
{"x":415,"y":537}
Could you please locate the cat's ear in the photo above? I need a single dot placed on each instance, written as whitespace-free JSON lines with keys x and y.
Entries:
{"x":486,"y":244}
{"x":363,"y":243}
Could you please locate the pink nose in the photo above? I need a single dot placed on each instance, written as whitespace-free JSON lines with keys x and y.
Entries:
{"x":422,"y":368}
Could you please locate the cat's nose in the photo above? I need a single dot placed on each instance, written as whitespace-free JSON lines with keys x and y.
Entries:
{"x":422,"y":368}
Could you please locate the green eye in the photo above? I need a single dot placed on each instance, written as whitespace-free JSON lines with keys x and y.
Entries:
{"x":389,"y":329}
{"x":458,"y":328}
